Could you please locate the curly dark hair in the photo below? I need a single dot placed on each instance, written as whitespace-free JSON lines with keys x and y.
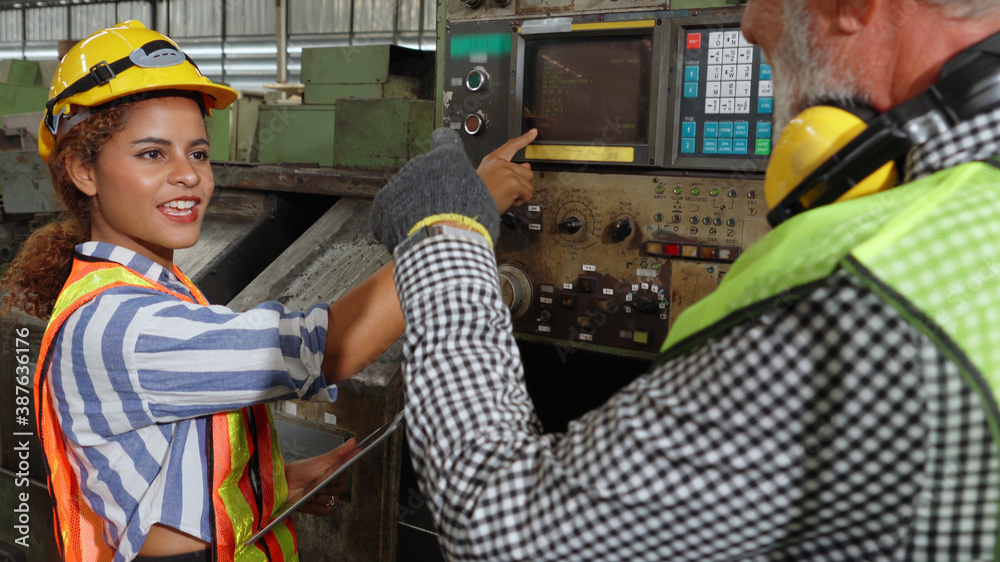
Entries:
{"x":42,"y":265}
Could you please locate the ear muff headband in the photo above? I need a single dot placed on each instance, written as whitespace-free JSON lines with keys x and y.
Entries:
{"x":969,"y":85}
{"x":812,"y":138}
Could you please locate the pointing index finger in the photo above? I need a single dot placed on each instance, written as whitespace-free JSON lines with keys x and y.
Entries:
{"x":510,"y":148}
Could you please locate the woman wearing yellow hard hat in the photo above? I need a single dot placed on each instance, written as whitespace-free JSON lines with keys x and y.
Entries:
{"x":150,"y":402}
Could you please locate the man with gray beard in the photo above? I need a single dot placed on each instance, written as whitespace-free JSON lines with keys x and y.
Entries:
{"x":835,"y":399}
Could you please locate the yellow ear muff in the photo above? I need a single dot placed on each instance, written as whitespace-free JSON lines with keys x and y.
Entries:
{"x":811,"y":139}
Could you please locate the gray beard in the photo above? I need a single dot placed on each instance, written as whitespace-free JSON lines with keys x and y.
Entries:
{"x":804,"y":75}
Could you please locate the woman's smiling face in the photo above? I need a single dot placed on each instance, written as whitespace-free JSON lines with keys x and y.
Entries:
{"x":152,"y":181}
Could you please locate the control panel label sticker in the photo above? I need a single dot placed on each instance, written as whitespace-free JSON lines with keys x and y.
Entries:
{"x":589,"y":267}
{"x":609,"y":292}
{"x":568,"y":286}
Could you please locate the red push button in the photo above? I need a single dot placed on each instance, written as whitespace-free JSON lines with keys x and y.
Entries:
{"x":473,"y":124}
{"x":672,"y":249}
{"x":694,"y":41}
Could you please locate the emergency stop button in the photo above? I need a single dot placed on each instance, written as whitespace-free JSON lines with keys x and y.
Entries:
{"x":473,"y":124}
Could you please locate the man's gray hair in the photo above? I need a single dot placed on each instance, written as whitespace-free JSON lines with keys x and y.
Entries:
{"x":962,"y":9}
{"x":967,"y":8}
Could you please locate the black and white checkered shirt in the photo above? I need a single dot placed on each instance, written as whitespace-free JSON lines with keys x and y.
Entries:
{"x":830,"y":430}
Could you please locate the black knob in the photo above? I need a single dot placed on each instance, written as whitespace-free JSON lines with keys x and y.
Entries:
{"x":621,"y":229}
{"x":645,"y":305}
{"x":571,"y":225}
{"x":512,"y":221}
{"x":473,"y":4}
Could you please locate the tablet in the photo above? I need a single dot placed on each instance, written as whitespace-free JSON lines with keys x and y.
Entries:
{"x":363,"y":448}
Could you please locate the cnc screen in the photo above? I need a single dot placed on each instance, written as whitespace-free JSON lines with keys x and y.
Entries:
{"x":588,"y":89}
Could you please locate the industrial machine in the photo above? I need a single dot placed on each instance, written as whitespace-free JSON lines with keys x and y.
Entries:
{"x":654,"y":122}
{"x":654,"y":130}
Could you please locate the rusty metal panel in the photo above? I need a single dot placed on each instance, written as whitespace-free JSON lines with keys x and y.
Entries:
{"x":321,"y":181}
{"x":642,"y":249}
{"x":25,"y":184}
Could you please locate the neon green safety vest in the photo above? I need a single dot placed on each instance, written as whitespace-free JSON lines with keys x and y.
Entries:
{"x":930,"y":249}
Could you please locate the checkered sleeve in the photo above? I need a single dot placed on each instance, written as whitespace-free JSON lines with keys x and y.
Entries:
{"x":799,"y":435}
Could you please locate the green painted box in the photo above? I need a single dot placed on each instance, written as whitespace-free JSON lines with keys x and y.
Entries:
{"x":366,"y":72}
{"x":381,"y":134}
{"x":295,"y":133}
{"x":394,"y":87}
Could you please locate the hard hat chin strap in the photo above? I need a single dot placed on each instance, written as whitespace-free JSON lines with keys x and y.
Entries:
{"x":155,"y":54}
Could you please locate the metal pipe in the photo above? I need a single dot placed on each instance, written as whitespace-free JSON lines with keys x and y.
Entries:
{"x":222,"y":43}
{"x":281,"y":29}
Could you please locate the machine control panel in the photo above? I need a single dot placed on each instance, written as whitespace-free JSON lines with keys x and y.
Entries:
{"x":611,"y":260}
{"x":654,"y":133}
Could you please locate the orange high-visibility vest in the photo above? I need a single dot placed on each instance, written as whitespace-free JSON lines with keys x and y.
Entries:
{"x":248,"y":474}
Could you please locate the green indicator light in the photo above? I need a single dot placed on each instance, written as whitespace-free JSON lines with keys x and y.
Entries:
{"x":714,"y":192}
{"x":678,"y":190}
{"x":658,"y":217}
{"x":485,"y":44}
{"x":656,"y":266}
{"x":660,"y":189}
{"x":475,"y":80}
{"x":696,"y":192}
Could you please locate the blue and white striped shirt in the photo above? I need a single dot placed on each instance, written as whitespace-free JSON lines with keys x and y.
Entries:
{"x":136,"y":373}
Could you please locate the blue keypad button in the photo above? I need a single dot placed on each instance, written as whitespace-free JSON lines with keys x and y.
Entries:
{"x":740,"y":146}
{"x":765,"y":106}
{"x":741,"y":130}
{"x":711,"y":130}
{"x":726,"y":130}
{"x":764,"y":130}
{"x":711,"y":146}
{"x":725,"y":146}
{"x":687,"y":146}
{"x":690,"y":89}
{"x":689,"y":129}
{"x":692,"y":73}
{"x":765,"y":72}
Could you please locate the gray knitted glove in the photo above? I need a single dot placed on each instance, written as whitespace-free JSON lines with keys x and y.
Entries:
{"x":438,"y":182}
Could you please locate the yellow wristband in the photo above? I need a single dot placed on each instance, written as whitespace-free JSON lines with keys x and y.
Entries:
{"x":472,"y":224}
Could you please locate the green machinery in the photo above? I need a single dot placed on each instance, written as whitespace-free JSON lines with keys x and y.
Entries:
{"x":363,"y":108}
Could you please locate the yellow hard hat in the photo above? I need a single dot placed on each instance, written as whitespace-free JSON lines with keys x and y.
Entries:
{"x":120,"y":61}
